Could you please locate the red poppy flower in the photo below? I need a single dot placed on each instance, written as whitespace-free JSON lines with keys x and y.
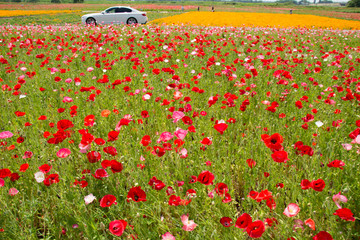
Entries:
{"x":99,"y":141}
{"x":305,"y":150}
{"x":345,"y":213}
{"x":52,"y":178}
{"x":270,"y":202}
{"x":42,"y":117}
{"x":14,"y":177}
{"x":116,"y":166}
{"x":318,"y":185}
{"x":19,"y":114}
{"x":273,"y":142}
{"x":221,"y":127}
{"x":221,"y":188}
{"x":93,"y":156}
{"x":305,"y":184}
{"x":206,"y":141}
{"x":144,"y":114}
{"x":24,"y":167}
{"x":64,"y":124}
{"x":187,"y":120}
{"x":226,"y":221}
{"x":45,"y":168}
{"x":336,"y":164}
{"x":193,"y":179}
{"x":5,"y":173}
{"x":191,"y":193}
{"x":117,"y":227}
{"x":156,"y":183}
{"x":206,"y":178}
{"x":227,"y":198}
{"x":263,"y":195}
{"x":174,"y":200}
{"x":100,"y":173}
{"x":251,"y":163}
{"x":323,"y":236}
{"x":110,"y":150}
{"x":89,"y":120}
{"x":145,"y":141}
{"x":253,"y":194}
{"x":136,"y":194}
{"x":87,"y":139}
{"x":20,"y":140}
{"x":243,"y":221}
{"x":107,"y":200}
{"x":159,"y":151}
{"x":280,"y":156}
{"x":256,"y":229}
{"x":113,"y":136}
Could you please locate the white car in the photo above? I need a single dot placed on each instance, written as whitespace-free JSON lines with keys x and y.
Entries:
{"x":116,"y":15}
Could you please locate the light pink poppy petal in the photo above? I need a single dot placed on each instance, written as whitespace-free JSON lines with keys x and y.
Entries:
{"x":177,"y":115}
{"x":347,"y":146}
{"x":6,"y":134}
{"x":184,"y":218}
{"x":13,"y":191}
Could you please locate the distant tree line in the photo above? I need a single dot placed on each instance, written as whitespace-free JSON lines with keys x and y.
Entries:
{"x":52,"y":1}
{"x":354,"y":3}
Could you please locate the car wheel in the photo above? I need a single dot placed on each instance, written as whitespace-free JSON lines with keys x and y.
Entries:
{"x":131,"y":21}
{"x":91,"y":21}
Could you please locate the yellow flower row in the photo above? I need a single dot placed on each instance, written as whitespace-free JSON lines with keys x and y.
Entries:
{"x":240,"y":19}
{"x":13,"y":13}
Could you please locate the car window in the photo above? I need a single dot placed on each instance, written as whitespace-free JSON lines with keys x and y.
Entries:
{"x":123,"y":10}
{"x":111,"y":10}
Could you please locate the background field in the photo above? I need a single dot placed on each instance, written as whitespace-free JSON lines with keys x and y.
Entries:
{"x":165,"y":9}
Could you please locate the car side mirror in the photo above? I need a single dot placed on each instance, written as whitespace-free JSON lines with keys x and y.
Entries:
{"x":102,"y":12}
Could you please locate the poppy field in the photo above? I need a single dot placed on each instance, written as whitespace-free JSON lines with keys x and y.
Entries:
{"x":179,"y":132}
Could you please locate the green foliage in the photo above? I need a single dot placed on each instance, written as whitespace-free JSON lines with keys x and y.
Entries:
{"x":354,"y":3}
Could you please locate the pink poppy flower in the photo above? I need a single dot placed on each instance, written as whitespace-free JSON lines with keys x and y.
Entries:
{"x":177,"y":115}
{"x":2,"y":182}
{"x":89,"y":199}
{"x":337,"y":198}
{"x":168,"y":236}
{"x":180,"y":133}
{"x":84,"y":148}
{"x":63,"y":153}
{"x":13,"y":191}
{"x":356,"y":140}
{"x":67,"y":99}
{"x":189,"y":225}
{"x":183,"y":153}
{"x":291,"y":210}
{"x":347,"y":146}
{"x":6,"y":134}
{"x":165,"y":136}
